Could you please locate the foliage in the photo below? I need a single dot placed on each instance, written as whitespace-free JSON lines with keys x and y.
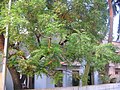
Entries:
{"x":62,"y":32}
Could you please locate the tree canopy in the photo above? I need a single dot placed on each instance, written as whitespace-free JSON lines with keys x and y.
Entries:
{"x":43,"y":33}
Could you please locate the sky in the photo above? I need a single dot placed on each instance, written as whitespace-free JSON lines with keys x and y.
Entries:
{"x":115,"y":27}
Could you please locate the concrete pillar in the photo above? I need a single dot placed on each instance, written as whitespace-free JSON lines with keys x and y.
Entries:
{"x":96,"y":78}
{"x":67,"y":78}
{"x":81,"y":71}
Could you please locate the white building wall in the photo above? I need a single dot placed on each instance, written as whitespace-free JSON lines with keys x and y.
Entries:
{"x":43,"y":82}
{"x":40,"y":82}
{"x":9,"y":81}
{"x":50,"y":83}
{"x":47,"y":82}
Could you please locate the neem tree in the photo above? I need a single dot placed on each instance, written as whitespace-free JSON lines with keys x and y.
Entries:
{"x":54,"y":31}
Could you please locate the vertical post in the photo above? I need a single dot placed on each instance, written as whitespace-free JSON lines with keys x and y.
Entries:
{"x":110,"y":37}
{"x":5,"y":55}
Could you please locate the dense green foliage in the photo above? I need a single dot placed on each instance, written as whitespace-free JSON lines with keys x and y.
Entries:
{"x":54,"y":32}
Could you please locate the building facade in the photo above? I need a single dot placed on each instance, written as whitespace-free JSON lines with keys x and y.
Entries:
{"x":68,"y":78}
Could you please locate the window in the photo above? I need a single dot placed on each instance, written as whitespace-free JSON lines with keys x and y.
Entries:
{"x":116,"y":72}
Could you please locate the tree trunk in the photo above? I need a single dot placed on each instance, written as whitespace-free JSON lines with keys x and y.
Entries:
{"x":2,"y":42}
{"x":15,"y":78}
{"x":111,"y":21}
{"x":85,"y":75}
{"x":31,"y":82}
